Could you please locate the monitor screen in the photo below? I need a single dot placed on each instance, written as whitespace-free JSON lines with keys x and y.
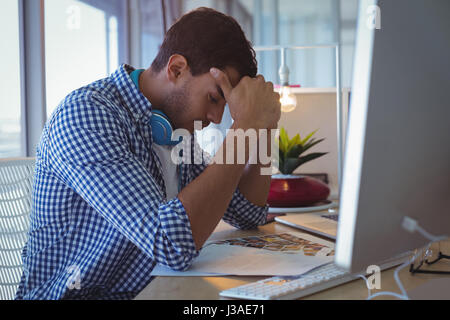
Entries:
{"x":397,"y":152}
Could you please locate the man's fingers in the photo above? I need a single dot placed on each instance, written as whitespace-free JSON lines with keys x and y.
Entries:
{"x":223,"y":81}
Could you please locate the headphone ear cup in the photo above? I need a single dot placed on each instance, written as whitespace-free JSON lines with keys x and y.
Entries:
{"x":161,"y":128}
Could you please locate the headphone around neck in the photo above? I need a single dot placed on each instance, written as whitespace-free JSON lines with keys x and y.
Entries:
{"x":161,"y":127}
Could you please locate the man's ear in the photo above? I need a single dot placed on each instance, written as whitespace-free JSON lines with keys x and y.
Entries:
{"x":177,"y":67}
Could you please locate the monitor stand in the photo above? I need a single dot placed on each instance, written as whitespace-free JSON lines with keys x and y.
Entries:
{"x":435,"y":289}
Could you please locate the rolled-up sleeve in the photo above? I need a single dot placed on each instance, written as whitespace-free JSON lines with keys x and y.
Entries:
{"x":243,"y":214}
{"x":93,"y":156}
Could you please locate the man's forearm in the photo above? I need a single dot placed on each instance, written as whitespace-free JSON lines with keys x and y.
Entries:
{"x":207,"y":197}
{"x":253,"y":184}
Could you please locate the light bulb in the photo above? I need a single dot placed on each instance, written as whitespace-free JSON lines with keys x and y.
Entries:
{"x":287,"y":99}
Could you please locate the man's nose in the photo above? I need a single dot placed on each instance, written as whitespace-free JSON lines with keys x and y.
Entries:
{"x":215,"y":114}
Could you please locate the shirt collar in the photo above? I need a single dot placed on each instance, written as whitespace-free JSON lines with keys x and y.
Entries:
{"x":130,"y":94}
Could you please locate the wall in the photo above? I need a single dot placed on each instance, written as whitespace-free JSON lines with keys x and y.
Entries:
{"x":318,"y":111}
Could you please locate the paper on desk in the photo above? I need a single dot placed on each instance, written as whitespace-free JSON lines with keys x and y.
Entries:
{"x":164,"y":271}
{"x":245,"y":256}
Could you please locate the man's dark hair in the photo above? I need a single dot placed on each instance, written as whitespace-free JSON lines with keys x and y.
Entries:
{"x":207,"y":38}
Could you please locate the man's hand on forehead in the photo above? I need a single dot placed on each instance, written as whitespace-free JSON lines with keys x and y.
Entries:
{"x":253,"y":102}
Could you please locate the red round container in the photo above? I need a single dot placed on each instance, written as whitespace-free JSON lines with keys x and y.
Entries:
{"x":296,"y":191}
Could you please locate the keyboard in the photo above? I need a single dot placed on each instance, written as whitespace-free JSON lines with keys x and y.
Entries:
{"x":294,"y":287}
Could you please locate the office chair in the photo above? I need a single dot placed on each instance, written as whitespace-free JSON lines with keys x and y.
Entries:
{"x":16,"y":179}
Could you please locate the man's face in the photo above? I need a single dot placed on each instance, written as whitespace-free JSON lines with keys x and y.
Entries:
{"x":198,"y":98}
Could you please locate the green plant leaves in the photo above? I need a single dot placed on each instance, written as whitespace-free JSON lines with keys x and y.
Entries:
{"x":312,"y":143}
{"x":284,"y":140}
{"x":309,"y":136}
{"x":289,"y":165}
{"x":291,"y":149}
{"x":295,"y":151}
{"x":311,"y":156}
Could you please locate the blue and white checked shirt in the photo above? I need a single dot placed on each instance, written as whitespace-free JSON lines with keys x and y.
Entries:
{"x":100,"y":220}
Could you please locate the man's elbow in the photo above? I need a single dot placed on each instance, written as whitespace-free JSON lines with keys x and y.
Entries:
{"x":181,"y":262}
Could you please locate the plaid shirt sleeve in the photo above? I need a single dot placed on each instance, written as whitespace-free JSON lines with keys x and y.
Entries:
{"x":90,"y":150}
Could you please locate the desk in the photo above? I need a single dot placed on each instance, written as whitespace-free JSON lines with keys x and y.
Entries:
{"x":208,"y":288}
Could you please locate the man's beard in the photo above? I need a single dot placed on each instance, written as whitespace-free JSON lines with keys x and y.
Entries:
{"x":176,"y":106}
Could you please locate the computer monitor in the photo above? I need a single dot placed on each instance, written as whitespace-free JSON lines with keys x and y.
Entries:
{"x":397,"y":152}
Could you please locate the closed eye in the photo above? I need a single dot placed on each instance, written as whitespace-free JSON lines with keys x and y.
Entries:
{"x":220,"y":92}
{"x":212,"y":99}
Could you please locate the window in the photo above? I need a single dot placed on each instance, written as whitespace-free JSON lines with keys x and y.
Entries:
{"x":10,"y":95}
{"x":81,"y":44}
{"x":83,"y":41}
{"x":151,"y":30}
{"x":86,"y":40}
{"x":295,"y":22}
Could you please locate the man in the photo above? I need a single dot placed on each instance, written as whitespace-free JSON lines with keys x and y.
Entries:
{"x":108,"y":204}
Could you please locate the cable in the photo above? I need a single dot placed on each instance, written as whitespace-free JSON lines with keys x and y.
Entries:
{"x":367,"y":284}
{"x":410,"y":225}
{"x":430,"y":236}
{"x":404,"y":295}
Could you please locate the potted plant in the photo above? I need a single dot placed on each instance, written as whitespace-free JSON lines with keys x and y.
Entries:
{"x":291,"y":190}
